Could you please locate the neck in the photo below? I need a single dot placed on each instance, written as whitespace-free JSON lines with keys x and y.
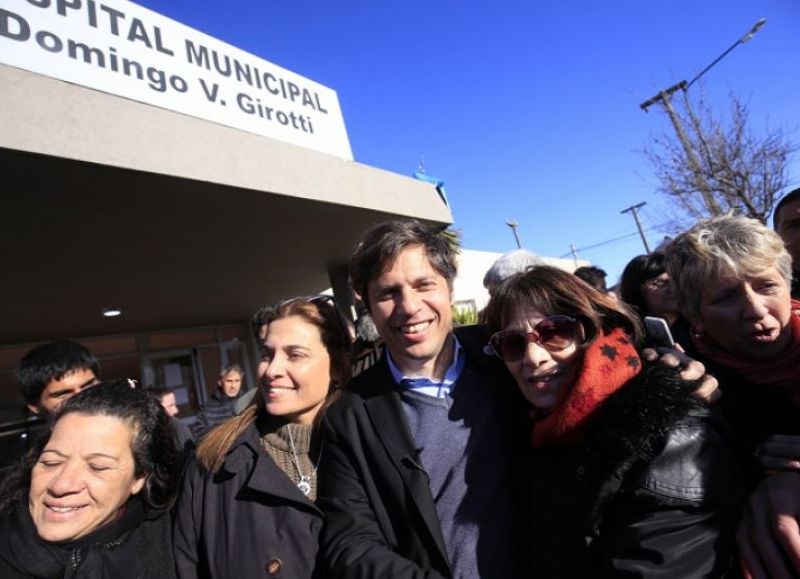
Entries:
{"x":434,"y":368}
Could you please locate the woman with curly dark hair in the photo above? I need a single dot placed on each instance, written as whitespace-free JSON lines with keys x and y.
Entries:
{"x":95,"y":499}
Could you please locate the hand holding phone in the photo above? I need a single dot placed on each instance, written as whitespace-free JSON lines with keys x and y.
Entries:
{"x":658,"y":332}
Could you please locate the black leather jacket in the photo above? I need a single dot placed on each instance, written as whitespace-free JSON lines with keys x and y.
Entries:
{"x":654,"y":491}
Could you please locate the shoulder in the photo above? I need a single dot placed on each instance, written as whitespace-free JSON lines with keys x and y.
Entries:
{"x":697,"y":464}
{"x":633,"y":424}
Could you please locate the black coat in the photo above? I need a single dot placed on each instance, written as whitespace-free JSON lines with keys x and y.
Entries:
{"x":655,"y":491}
{"x":248,"y":520}
{"x":136,"y":546}
{"x":756,"y":411}
{"x":381,"y":517}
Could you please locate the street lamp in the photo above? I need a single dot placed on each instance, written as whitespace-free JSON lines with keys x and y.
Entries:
{"x":513,"y":225}
{"x":683,"y":85}
{"x":663,"y":97}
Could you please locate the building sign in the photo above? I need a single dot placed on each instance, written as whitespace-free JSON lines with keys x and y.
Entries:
{"x":124,"y":49}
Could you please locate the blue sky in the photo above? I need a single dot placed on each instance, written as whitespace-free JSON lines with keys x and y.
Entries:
{"x":528,"y":110}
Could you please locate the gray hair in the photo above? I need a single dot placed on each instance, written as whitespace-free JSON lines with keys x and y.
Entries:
{"x":230,"y":368}
{"x":508,"y":264}
{"x":726,"y":246}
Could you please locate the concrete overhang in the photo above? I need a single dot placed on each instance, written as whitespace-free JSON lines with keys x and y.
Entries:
{"x":176,"y":220}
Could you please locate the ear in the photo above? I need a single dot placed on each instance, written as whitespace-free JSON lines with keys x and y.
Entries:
{"x":138,"y":485}
{"x":33,"y":408}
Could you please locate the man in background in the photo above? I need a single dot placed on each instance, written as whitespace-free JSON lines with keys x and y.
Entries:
{"x":220,"y":407}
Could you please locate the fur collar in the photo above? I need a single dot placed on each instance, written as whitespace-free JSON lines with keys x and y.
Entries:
{"x":633,"y":423}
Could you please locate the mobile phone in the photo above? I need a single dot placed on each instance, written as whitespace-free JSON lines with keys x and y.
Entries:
{"x":658,"y":332}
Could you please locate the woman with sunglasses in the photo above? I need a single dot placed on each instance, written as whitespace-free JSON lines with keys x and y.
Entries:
{"x":646,"y":287}
{"x":247,"y":507}
{"x":629,"y":473}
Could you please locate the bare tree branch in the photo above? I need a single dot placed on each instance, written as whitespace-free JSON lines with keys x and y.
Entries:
{"x":713,"y":165}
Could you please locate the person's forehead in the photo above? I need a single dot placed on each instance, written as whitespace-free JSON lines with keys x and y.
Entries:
{"x":525,"y":317}
{"x":414,"y":257}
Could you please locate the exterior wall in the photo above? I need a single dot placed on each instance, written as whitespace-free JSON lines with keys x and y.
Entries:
{"x":51,"y":117}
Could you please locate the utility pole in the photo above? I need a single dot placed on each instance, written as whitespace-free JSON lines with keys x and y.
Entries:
{"x":574,"y":253}
{"x":699,"y":181}
{"x":633,"y":210}
{"x":513,"y":225}
{"x":664,"y":98}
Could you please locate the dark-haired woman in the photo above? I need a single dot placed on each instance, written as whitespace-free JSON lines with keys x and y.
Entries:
{"x":96,"y":501}
{"x":646,"y":287}
{"x":247,"y":506}
{"x":630,"y":473}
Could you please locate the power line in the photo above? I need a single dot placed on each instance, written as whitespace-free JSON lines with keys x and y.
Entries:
{"x":660,"y":226}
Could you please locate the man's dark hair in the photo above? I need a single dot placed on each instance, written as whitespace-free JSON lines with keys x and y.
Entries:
{"x":381,"y":244}
{"x":594,"y":276}
{"x":158,"y":392}
{"x":52,"y":361}
{"x":264,"y":315}
{"x":790,"y":196}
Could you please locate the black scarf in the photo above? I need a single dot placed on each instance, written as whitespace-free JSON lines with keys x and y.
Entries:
{"x":99,"y":554}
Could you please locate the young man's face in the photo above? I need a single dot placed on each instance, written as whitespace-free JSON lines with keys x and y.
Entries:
{"x":411,"y":307}
{"x":231,"y":383}
{"x":56,"y":392}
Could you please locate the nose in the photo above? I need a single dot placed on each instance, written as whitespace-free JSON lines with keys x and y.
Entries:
{"x":66,"y":481}
{"x":754,"y":304}
{"x":408,"y":303}
{"x":535,"y":355}
{"x":273,"y":368}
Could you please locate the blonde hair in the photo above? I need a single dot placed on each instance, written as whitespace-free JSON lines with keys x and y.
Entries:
{"x":720,"y":247}
{"x":214,"y":447}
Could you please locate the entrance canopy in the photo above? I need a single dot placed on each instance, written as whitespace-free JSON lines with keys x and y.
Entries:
{"x":175,"y":220}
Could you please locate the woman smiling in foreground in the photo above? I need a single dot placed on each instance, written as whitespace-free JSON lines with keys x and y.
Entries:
{"x":629,"y":471}
{"x":247,"y":506}
{"x":95,"y":503}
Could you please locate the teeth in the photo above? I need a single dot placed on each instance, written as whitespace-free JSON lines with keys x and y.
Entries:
{"x":414,"y":328}
{"x":64,"y":509}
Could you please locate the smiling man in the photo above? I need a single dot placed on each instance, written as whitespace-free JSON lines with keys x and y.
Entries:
{"x":414,"y":477}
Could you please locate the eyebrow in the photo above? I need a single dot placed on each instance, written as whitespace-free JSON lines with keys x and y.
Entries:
{"x":57,"y":393}
{"x":92,"y":455}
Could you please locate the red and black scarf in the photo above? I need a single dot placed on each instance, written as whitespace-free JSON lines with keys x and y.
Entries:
{"x":607,"y":365}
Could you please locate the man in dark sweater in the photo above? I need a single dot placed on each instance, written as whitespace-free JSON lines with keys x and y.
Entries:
{"x":220,"y":406}
{"x":414,"y":473}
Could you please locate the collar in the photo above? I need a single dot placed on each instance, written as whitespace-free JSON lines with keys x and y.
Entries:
{"x":426,"y":385}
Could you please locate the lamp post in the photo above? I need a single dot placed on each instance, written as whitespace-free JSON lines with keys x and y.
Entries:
{"x":663,"y":98}
{"x":513,"y":225}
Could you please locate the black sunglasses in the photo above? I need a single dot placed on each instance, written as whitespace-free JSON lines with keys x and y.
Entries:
{"x":554,"y":333}
{"x":326,"y":301}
